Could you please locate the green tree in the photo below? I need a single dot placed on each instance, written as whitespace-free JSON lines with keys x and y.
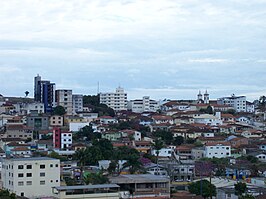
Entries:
{"x":81,"y":157}
{"x":178,"y":140}
{"x":262,"y":103}
{"x":55,"y":155}
{"x":240,"y":188}
{"x":133,"y":164}
{"x":247,"y":196}
{"x":59,"y":110}
{"x":209,"y":110}
{"x":203,"y":188}
{"x":95,"y":178}
{"x":5,"y":194}
{"x":166,"y":136}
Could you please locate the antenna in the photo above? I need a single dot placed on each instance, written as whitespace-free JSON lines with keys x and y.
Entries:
{"x":98,"y":87}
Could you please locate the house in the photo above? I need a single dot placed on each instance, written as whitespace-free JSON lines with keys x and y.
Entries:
{"x":112,"y":135}
{"x":56,"y":120}
{"x":19,"y":130}
{"x":142,"y":146}
{"x":217,"y":150}
{"x":155,"y":169}
{"x":209,"y":119}
{"x":38,"y":122}
{"x":162,"y":119}
{"x":107,"y":120}
{"x":144,"y":185}
{"x":227,"y":118}
{"x":238,"y":142}
{"x":131,"y":133}
{"x":163,"y":152}
{"x":31,"y":177}
{"x":183,"y":153}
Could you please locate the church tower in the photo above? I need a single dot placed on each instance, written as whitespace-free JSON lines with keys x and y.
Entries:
{"x":199,"y":97}
{"x":206,"y":98}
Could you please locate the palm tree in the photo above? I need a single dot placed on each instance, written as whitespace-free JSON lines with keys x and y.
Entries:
{"x":81,"y":156}
{"x":133,"y":164}
{"x":27,"y":93}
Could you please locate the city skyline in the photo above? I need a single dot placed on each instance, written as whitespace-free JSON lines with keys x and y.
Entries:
{"x":168,"y":49}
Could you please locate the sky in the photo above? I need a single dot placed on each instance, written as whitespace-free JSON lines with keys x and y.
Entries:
{"x":160,"y":48}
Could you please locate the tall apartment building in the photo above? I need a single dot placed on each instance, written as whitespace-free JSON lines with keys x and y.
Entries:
{"x":116,"y":100}
{"x":143,"y":105}
{"x":31,"y":177}
{"x":64,"y":98}
{"x":44,"y":92}
{"x":238,"y":103}
{"x":77,"y":103}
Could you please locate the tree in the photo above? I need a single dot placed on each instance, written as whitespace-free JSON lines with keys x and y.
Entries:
{"x":209,"y":110}
{"x":5,"y":194}
{"x":166,"y":136}
{"x":95,"y":178}
{"x":240,"y":188}
{"x":27,"y":93}
{"x":81,"y":157}
{"x":133,"y":164}
{"x":203,"y":188}
{"x":178,"y":140}
{"x":247,"y":196}
{"x":262,"y":102}
{"x":59,"y":110}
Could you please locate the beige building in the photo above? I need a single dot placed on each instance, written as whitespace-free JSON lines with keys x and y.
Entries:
{"x":56,"y":120}
{"x":64,"y":98}
{"x":116,"y":100}
{"x":31,"y":177}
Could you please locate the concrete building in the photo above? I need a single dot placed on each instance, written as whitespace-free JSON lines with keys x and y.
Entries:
{"x":31,"y":177}
{"x":101,"y":191}
{"x":77,"y":103}
{"x":64,"y":98}
{"x":44,"y":92}
{"x":116,"y":100}
{"x":38,"y":122}
{"x":143,"y":105}
{"x":56,"y":120}
{"x":18,"y":131}
{"x":238,"y":103}
{"x":61,"y":140}
{"x":27,"y":108}
{"x":217,"y":150}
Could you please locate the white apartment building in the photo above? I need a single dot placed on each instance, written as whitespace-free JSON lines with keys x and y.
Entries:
{"x":77,"y":103}
{"x":238,"y":103}
{"x":143,"y":105}
{"x":164,"y":152}
{"x":31,"y":177}
{"x":64,"y":98}
{"x":66,"y":140}
{"x":217,"y":150}
{"x":116,"y":100}
{"x":209,"y":119}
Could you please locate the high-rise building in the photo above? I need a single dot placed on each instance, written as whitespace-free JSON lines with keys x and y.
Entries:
{"x":44,"y":92}
{"x":116,"y":100}
{"x":64,"y":98}
{"x":77,"y":103}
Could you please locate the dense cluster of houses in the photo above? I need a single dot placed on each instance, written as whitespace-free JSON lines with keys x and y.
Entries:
{"x":228,"y":127}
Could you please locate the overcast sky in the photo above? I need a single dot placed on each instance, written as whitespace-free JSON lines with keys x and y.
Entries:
{"x":161,"y":48}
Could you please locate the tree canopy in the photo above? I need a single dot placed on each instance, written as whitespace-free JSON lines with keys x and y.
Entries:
{"x":59,"y":110}
{"x":203,"y":188}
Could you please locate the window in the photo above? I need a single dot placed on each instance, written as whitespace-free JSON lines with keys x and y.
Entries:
{"x":29,"y":182}
{"x":51,"y":165}
{"x":42,"y":182}
{"x":29,"y":166}
{"x":42,"y":174}
{"x":42,"y":166}
{"x":20,"y":175}
{"x":29,"y":174}
{"x":20,"y":166}
{"x":20,"y":183}
{"x":56,"y":165}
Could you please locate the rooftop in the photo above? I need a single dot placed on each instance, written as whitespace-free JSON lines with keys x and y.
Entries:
{"x":96,"y":186}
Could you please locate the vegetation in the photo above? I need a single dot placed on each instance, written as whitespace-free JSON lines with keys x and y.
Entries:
{"x":93,"y":101}
{"x":95,"y":178}
{"x":86,"y":133}
{"x":59,"y":110}
{"x":5,"y":194}
{"x":240,"y":188}
{"x":203,"y":188}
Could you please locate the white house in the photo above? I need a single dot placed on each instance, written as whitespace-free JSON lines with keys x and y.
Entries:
{"x":164,"y":152}
{"x":31,"y":177}
{"x":217,"y":150}
{"x":209,"y":119}
{"x":66,"y":140}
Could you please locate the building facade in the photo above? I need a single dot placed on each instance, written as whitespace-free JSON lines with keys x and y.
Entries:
{"x":31,"y":177}
{"x":217,"y":150}
{"x":238,"y":103}
{"x":116,"y":100}
{"x":143,"y":105}
{"x":44,"y":92}
{"x":64,"y":98}
{"x":77,"y":103}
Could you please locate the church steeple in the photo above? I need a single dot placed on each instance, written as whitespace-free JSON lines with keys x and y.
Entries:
{"x":206,"y":98}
